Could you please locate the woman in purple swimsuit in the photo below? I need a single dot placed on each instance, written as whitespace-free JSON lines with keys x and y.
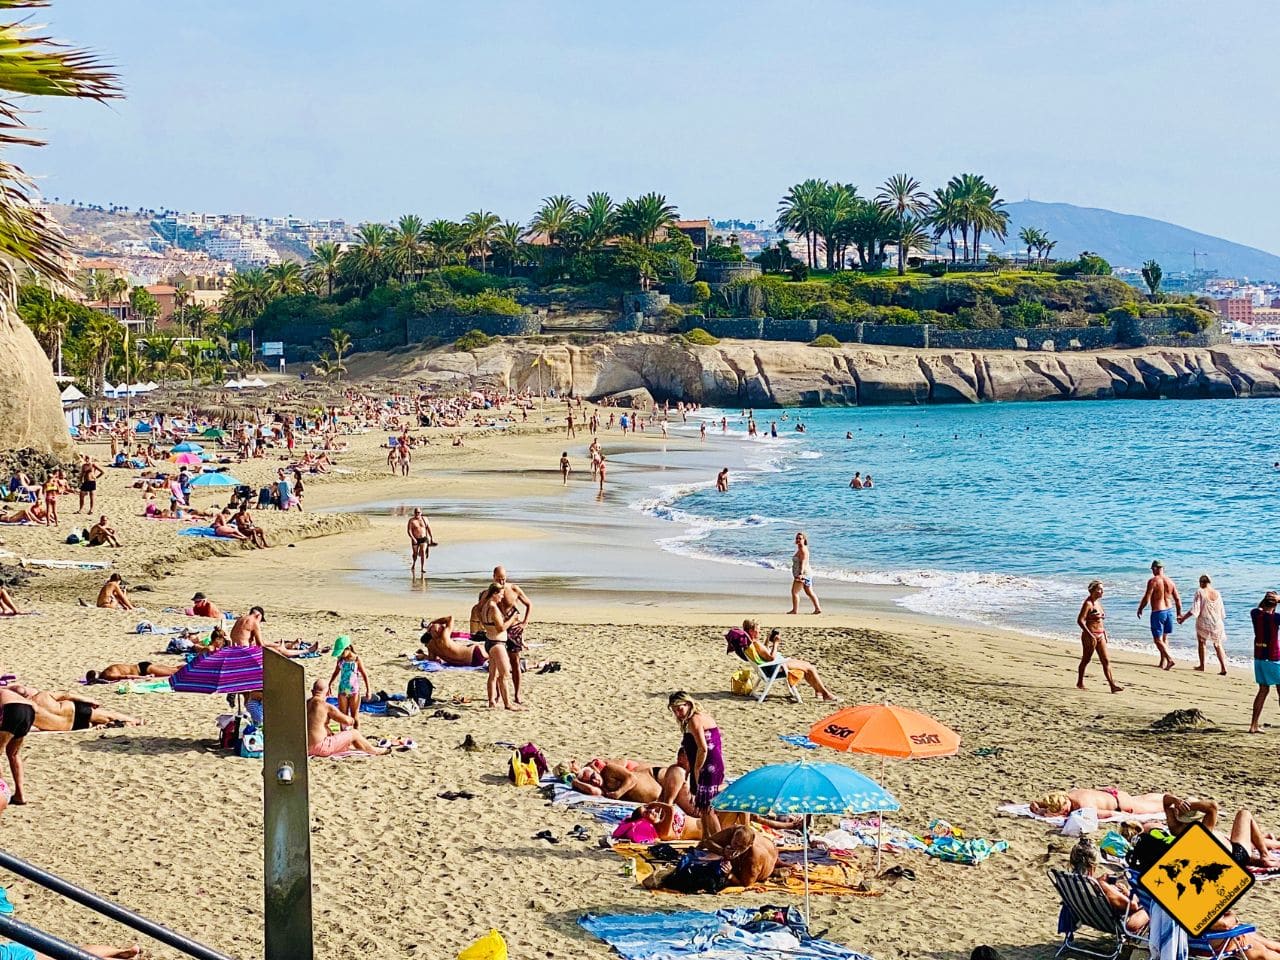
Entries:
{"x":700,"y":758}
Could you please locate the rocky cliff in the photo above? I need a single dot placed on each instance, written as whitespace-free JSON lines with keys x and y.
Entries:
{"x":757,"y":373}
{"x":30,"y":411}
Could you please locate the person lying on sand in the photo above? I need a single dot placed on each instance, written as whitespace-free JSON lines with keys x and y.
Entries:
{"x":440,"y":645}
{"x":322,"y":743}
{"x":747,"y":857}
{"x":142,"y":670}
{"x":8,"y":608}
{"x":202,"y":606}
{"x":628,"y":780}
{"x":1104,"y":800}
{"x":32,"y":514}
{"x":16,"y":951}
{"x":60,"y":712}
{"x":112,"y":595}
{"x":769,"y":652}
{"x":223,"y":527}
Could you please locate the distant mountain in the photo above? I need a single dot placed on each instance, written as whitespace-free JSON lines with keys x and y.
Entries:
{"x":1129,"y":241}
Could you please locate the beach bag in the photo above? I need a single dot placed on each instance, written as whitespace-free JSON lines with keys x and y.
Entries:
{"x":736,"y":642}
{"x":523,"y":773}
{"x":421,"y":690}
{"x":229,"y":738}
{"x":742,"y":682}
{"x":697,"y":874}
{"x":489,"y":947}
{"x":401,"y":709}
{"x":530,"y":752}
{"x":251,"y":742}
{"x":1081,"y":822}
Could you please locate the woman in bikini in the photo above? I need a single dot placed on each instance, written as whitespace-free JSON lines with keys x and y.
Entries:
{"x":802,"y":575}
{"x":1093,"y":636}
{"x":700,"y":760}
{"x":493,"y":634}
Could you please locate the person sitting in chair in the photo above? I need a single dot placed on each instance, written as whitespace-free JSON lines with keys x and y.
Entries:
{"x":768,"y":654}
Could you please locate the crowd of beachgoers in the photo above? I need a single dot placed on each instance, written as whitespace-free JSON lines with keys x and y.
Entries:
{"x":134,"y":613}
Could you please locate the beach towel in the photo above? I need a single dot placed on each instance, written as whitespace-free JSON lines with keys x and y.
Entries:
{"x":867,"y":833}
{"x":206,"y":532}
{"x":376,"y":708}
{"x":1024,"y":810}
{"x":435,"y":666}
{"x":158,"y":685}
{"x":798,"y":740}
{"x":724,"y":935}
{"x":970,"y":852}
{"x":827,"y":874}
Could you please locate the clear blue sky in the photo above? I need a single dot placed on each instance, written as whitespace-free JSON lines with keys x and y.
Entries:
{"x":1165,"y":108}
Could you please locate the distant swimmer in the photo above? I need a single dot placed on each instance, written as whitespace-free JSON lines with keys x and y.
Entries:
{"x":702,"y":432}
{"x":751,"y":428}
{"x":1165,"y":602}
{"x":799,"y":428}
{"x":856,"y":482}
{"x":722,"y":480}
{"x":848,"y":434}
{"x":867,"y":482}
{"x":802,"y":575}
{"x":724,"y":424}
{"x":773,"y":428}
{"x":1093,"y":636}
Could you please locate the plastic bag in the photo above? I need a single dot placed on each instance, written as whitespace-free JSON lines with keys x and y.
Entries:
{"x":489,"y":947}
{"x":524,"y":773}
{"x":742,"y":682}
{"x":1081,"y":822}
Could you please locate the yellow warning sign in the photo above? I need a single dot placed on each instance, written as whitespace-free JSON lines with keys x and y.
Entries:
{"x":1196,"y":881}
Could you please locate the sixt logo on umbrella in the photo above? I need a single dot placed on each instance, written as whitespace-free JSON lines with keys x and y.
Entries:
{"x":924,"y":739}
{"x":838,"y":731}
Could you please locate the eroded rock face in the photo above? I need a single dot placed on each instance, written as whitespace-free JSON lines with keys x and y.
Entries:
{"x":760,"y":374}
{"x":30,"y":409}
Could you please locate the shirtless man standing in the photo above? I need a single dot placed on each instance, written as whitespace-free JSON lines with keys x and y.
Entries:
{"x":89,"y":474}
{"x":322,"y":743}
{"x":247,"y":630}
{"x":65,"y":711}
{"x":1164,"y":600}
{"x":440,"y":645}
{"x":420,"y":541}
{"x":509,"y":601}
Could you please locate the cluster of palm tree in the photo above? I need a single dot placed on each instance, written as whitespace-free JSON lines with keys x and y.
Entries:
{"x":1035,"y":239}
{"x":168,"y":358}
{"x":833,"y":218}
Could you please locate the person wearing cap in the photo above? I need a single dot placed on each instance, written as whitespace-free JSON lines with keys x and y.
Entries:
{"x":247,"y":630}
{"x":1165,"y":605}
{"x":202,"y":606}
{"x":1266,"y":653}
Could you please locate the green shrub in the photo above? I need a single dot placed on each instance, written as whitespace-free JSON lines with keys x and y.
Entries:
{"x":836,"y":311}
{"x":900,"y":316}
{"x":701,"y":291}
{"x":826,"y":340}
{"x":1126,"y":311}
{"x":934,"y":268}
{"x":468,"y":282}
{"x":983,"y":315}
{"x":472,"y":340}
{"x":800,"y":271}
{"x":700,"y":338}
{"x":486,"y":303}
{"x":1028,"y":313}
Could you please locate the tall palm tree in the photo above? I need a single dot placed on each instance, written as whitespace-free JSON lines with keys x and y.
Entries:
{"x":408,"y":248}
{"x":198,"y":317}
{"x":903,"y":195}
{"x":444,"y":241}
{"x":947,"y":215}
{"x":910,"y":233}
{"x":507,"y":239}
{"x":324,"y":267}
{"x":368,"y":261}
{"x":181,"y":297}
{"x":982,"y":210}
{"x":798,"y":212}
{"x":117,"y":287}
{"x":33,"y":65}
{"x":479,"y":228}
{"x":646,"y":215}
{"x":553,"y":218}
{"x":595,"y":222}
{"x":1029,"y":237}
{"x":340,"y":343}
{"x":285,"y":279}
{"x":247,"y":296}
{"x":835,"y":204}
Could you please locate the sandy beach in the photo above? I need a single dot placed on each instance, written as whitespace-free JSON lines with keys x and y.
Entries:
{"x":157,"y":819}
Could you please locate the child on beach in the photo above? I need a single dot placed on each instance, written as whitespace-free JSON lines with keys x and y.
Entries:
{"x":350,"y":673}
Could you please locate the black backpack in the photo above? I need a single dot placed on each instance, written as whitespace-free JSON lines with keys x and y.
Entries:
{"x":421,"y":689}
{"x":697,"y":873}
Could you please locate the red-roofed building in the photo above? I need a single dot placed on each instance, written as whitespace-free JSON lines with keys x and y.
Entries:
{"x":164,"y":294}
{"x":699,"y":231}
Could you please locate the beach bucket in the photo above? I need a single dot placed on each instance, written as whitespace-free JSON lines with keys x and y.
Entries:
{"x":489,"y":947}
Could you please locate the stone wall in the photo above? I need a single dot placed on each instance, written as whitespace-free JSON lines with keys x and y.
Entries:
{"x":495,"y":325}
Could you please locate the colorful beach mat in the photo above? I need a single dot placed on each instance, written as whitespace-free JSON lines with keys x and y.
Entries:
{"x":829,"y":875}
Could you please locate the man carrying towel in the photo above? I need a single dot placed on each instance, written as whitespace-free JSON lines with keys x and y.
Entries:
{"x":1164,"y":600}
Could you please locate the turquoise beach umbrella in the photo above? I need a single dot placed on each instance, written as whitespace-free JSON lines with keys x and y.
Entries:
{"x":804,"y":788}
{"x":215,"y":480}
{"x":187,"y":447}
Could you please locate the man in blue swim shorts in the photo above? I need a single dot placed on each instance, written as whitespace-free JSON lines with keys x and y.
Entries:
{"x":1165,"y":605}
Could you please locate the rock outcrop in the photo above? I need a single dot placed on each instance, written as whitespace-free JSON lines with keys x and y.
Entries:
{"x":760,"y":374}
{"x":30,"y":410}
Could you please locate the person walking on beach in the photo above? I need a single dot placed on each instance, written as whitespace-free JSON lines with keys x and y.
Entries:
{"x":565,"y":469}
{"x":89,"y":474}
{"x":17,"y":717}
{"x":349,"y":673}
{"x":1266,"y":653}
{"x":699,"y":761}
{"x":420,"y":541}
{"x":1093,"y":636}
{"x":722,"y":480}
{"x":600,"y":472}
{"x":1211,"y":628}
{"x":1165,"y":603}
{"x":802,"y":575}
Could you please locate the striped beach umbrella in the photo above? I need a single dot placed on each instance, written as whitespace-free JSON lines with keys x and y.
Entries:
{"x":804,"y":788}
{"x":229,"y":670}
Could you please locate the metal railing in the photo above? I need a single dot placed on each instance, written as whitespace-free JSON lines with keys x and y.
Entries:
{"x":60,"y":950}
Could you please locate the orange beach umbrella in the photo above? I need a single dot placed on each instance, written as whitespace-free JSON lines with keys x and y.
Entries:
{"x":885,"y":731}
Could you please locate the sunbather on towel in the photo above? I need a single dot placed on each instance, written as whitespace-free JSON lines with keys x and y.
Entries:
{"x":441,"y":645}
{"x":322,"y":743}
{"x":749,"y":857}
{"x":1104,"y":800}
{"x":628,"y":780}
{"x":1250,"y":847}
{"x":142,"y":670}
{"x":60,"y":712}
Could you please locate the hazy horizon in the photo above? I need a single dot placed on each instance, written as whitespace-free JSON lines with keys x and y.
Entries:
{"x":272,"y":109}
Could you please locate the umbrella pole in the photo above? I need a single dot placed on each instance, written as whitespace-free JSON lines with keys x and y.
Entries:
{"x":806,"y":871}
{"x":880,"y":821}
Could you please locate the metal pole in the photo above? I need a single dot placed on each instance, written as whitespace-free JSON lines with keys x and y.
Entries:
{"x":805,"y":821}
{"x":40,"y":941}
{"x":108,"y":909}
{"x":286,"y":822}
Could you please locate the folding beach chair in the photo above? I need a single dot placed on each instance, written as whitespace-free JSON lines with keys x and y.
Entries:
{"x":1085,"y":905}
{"x":1216,"y":944}
{"x":737,"y":642}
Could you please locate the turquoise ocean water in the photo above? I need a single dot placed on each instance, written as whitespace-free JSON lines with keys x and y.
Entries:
{"x":1002,"y":513}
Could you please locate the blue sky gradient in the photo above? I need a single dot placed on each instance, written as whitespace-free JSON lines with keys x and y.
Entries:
{"x":367,"y":111}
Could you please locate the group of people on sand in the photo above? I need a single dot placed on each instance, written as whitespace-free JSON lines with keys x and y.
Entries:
{"x":494,"y":638}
